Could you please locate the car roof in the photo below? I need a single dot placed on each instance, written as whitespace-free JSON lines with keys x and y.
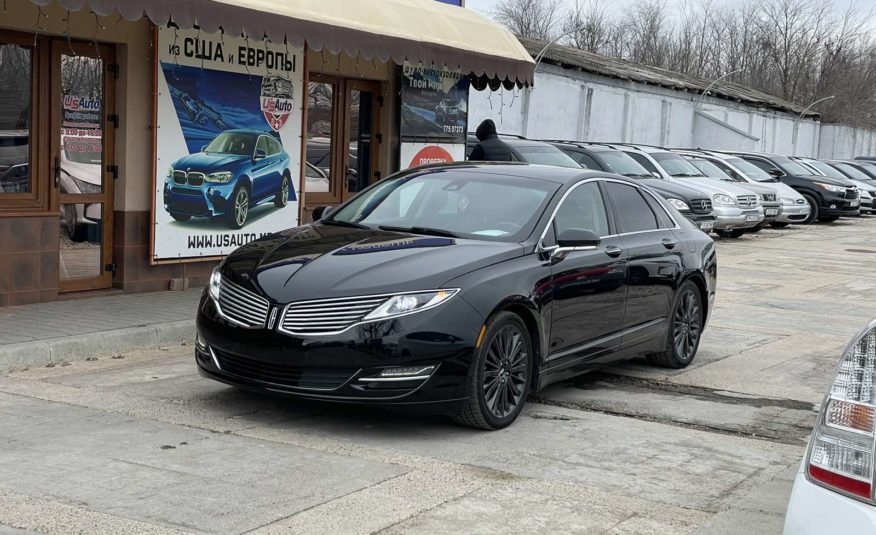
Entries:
{"x":548,"y":173}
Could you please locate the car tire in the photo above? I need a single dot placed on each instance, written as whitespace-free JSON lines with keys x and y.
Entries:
{"x":238,"y":208}
{"x":685,"y":329}
{"x":500,"y":374}
{"x":829,"y":219}
{"x":735,"y":233}
{"x":282,"y":197}
{"x":813,"y":209}
{"x":779,"y":225}
{"x":180,"y":217}
{"x":755,"y":230}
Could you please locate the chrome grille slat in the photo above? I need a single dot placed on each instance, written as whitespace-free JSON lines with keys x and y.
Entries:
{"x":327,"y":316}
{"x":242,"y":305}
{"x":701,"y":206}
{"x":747,"y":201}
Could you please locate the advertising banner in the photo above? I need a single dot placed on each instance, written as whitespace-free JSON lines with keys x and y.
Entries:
{"x":434,"y":115}
{"x":228,"y":150}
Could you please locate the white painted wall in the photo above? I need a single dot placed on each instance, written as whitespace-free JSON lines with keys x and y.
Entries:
{"x":841,"y":141}
{"x":574,"y":105}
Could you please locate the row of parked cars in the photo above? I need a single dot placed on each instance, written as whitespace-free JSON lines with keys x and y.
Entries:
{"x":726,"y":192}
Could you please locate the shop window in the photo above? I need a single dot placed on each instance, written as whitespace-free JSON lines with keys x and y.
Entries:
{"x":320,"y":123}
{"x":16,"y":67}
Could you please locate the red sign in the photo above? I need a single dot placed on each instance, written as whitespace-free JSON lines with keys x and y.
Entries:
{"x":429,"y":155}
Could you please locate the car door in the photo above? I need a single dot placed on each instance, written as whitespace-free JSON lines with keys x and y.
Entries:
{"x":654,"y":256}
{"x":261,"y":165}
{"x":587,"y":286}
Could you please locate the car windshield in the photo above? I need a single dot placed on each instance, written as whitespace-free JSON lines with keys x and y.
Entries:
{"x":711,"y":170}
{"x":451,"y":203}
{"x":825,"y":169}
{"x":546,"y":155}
{"x":675,"y":164}
{"x":793,"y":168}
{"x":852,"y":172}
{"x":622,"y":164}
{"x":750,"y":170}
{"x":232,"y":143}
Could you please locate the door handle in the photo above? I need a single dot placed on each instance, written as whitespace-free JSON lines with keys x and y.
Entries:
{"x":613,"y":251}
{"x":57,"y":171}
{"x":669,"y":244}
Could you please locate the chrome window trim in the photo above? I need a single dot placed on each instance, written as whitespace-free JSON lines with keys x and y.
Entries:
{"x":541,"y":247}
{"x":363,"y":321}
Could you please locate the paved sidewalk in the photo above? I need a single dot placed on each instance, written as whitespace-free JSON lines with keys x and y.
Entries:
{"x":68,"y":330}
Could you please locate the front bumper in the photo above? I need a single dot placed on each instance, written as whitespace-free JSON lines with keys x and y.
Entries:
{"x":793,"y":213}
{"x":833,"y":204}
{"x":815,"y":510}
{"x":704,"y":222}
{"x":207,"y":200}
{"x":771,"y":211}
{"x":733,"y":217}
{"x":338,"y":367}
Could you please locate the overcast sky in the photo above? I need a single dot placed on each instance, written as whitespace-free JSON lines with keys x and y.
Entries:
{"x":487,"y":6}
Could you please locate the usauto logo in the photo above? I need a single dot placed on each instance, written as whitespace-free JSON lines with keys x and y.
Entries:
{"x":72,"y":102}
{"x":276,"y":101}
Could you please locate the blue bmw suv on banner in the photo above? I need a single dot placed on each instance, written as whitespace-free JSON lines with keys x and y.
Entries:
{"x":238,"y":170}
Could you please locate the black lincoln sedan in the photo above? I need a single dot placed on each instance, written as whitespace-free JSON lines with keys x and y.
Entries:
{"x":460,"y":289}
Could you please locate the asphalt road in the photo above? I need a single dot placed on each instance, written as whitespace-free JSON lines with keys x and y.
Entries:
{"x":142,"y":444}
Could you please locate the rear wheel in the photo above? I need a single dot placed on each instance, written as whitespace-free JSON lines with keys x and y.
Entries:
{"x":685,"y":329}
{"x":499,"y":380}
{"x":813,"y":209}
{"x":282,"y":198}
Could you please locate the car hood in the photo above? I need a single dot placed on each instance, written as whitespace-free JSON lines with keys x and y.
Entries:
{"x":758,"y":188}
{"x":322,"y":261}
{"x":668,"y":189}
{"x":207,"y":162}
{"x":713,"y":186}
{"x":829,"y":180}
{"x":83,"y":171}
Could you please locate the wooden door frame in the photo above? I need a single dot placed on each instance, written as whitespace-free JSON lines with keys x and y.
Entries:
{"x":107,"y":54}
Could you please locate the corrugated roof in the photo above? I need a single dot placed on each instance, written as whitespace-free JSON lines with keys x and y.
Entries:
{"x":565,"y":56}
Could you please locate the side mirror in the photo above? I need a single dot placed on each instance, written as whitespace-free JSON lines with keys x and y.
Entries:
{"x":260,"y":154}
{"x":655,"y":174}
{"x":320,"y":212}
{"x":777,"y":173}
{"x":578,"y":238}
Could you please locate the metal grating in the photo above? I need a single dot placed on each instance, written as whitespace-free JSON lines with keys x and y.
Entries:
{"x":179,"y":177}
{"x":327,"y":316}
{"x":241,"y":305}
{"x":196,"y":179}
{"x":747,"y":201}
{"x":852,"y":193}
{"x":701,"y":206}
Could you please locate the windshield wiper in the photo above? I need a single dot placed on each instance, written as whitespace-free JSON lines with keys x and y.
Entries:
{"x":344,"y":224}
{"x":420,"y":230}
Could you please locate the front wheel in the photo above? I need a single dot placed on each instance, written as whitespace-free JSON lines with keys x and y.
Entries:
{"x":237,"y":212}
{"x":180,"y":217}
{"x":813,"y":209}
{"x":282,"y":198}
{"x":498,"y":382}
{"x":685,"y":329}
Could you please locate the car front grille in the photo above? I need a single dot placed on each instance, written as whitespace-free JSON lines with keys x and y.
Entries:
{"x":179,"y":177}
{"x":283,"y":375}
{"x":701,"y":206}
{"x":769,"y":197}
{"x":327,"y":316}
{"x":192,"y":178}
{"x":241,"y":305}
{"x":196,"y":179}
{"x":852,"y":193}
{"x":747,"y":201}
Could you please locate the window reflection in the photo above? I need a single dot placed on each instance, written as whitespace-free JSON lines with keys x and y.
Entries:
{"x":320,"y":111}
{"x":15,"y":97}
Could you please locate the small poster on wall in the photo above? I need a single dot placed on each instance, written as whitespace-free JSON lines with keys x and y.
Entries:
{"x":228,"y":143}
{"x":434,"y":116}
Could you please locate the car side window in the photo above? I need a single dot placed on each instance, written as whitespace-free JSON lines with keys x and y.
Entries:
{"x":262,"y":145}
{"x":585,"y":160}
{"x":643,"y":161}
{"x":633,"y":213}
{"x":582,"y":208}
{"x":766,"y":166}
{"x":274,"y":147}
{"x":663,"y":218}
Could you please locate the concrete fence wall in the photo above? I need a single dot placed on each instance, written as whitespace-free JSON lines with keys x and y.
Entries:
{"x":842,"y":141}
{"x":575,"y":105}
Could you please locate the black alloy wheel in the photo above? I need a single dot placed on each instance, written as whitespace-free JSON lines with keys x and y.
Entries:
{"x":239,"y":209}
{"x":813,"y":209}
{"x":282,"y":198}
{"x":685,"y":329}
{"x":502,"y":369}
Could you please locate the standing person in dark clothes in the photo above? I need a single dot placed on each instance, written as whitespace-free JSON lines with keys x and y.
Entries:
{"x":490,"y":148}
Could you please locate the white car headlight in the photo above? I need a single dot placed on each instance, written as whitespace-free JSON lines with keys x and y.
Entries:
{"x":215,"y":283}
{"x":170,"y":172}
{"x":723,"y":200}
{"x":788,"y":200}
{"x":678,"y":204}
{"x":831,"y":187}
{"x":399,"y":305}
{"x":221,"y":177}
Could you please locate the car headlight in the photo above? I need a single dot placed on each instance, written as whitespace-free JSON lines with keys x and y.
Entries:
{"x":215,"y":283}
{"x":399,"y":305}
{"x":831,"y":187}
{"x":170,"y":172}
{"x":724,"y":200}
{"x":221,"y":177}
{"x":788,"y":200}
{"x":86,"y":187}
{"x":678,"y":204}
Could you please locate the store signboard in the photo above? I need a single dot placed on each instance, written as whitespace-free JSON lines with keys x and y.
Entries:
{"x":434,"y":116}
{"x":228,"y":142}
